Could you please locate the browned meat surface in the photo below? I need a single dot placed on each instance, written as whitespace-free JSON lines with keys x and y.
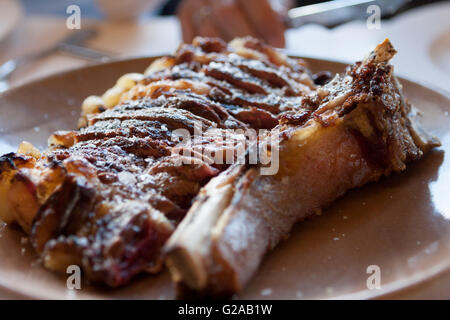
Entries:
{"x":351,"y":131}
{"x":108,"y":196}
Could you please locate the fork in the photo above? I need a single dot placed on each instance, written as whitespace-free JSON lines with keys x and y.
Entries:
{"x":70,"y":44}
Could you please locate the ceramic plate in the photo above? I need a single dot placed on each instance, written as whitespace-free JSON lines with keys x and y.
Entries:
{"x":400,"y":224}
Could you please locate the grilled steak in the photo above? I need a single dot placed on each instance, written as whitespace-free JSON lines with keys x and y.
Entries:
{"x":108,"y":196}
{"x":351,"y":131}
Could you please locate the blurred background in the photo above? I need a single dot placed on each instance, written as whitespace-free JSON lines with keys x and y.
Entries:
{"x":342,"y":30}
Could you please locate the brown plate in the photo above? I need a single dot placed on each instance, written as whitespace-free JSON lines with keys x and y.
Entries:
{"x":400,"y":224}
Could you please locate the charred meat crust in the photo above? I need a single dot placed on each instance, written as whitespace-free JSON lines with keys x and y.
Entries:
{"x":351,"y":131}
{"x":108,"y":196}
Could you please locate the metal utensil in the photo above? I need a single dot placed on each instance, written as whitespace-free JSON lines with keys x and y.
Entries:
{"x":71,"y":45}
{"x":331,"y":13}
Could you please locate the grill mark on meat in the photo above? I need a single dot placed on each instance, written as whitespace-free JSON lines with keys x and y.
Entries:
{"x":107,"y":159}
{"x":128,"y":128}
{"x":275,"y":76}
{"x":142,"y":147}
{"x":227,"y":72}
{"x":179,"y":71}
{"x":201,"y":107}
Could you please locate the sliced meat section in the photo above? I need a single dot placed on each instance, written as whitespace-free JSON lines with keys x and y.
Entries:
{"x":109,"y":195}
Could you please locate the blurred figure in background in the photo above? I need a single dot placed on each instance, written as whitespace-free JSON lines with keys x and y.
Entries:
{"x":227,"y":19}
{"x":234,"y":18}
{"x":265,"y":19}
